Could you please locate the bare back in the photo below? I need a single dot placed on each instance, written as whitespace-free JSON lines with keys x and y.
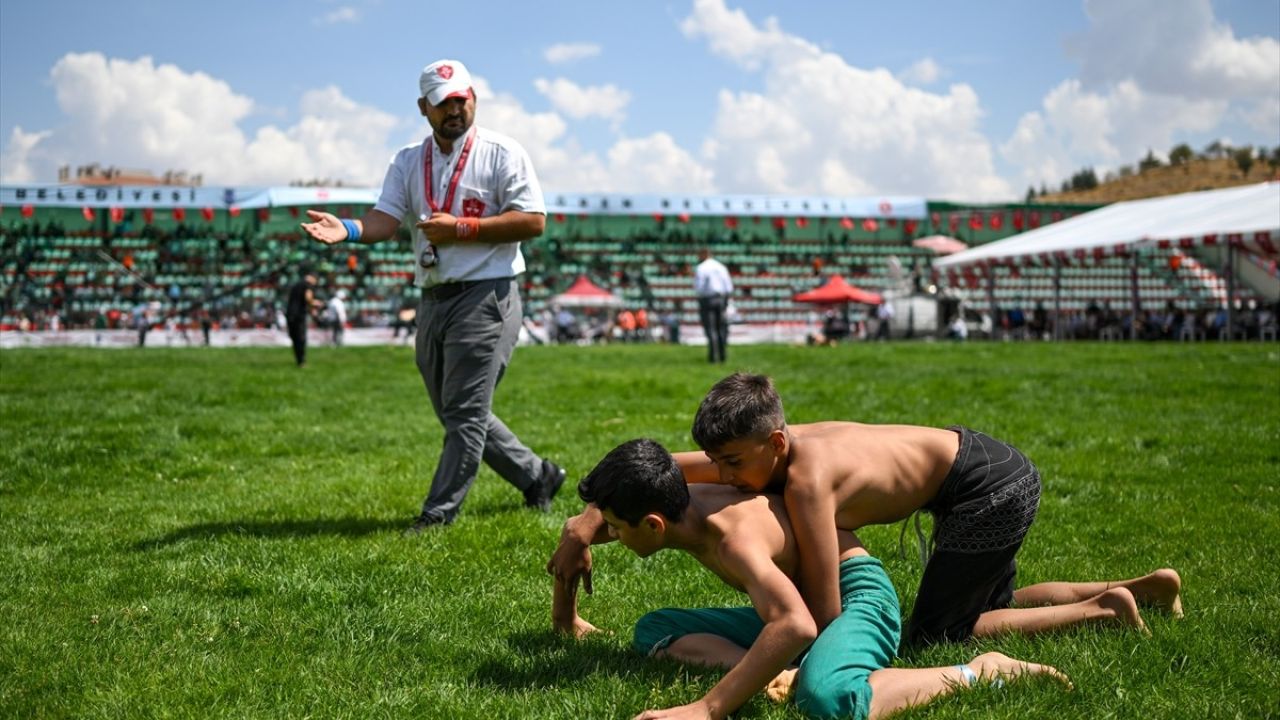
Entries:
{"x":757,"y":522}
{"x":876,"y":473}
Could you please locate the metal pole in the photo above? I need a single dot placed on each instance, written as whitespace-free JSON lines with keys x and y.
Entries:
{"x":991,"y":300}
{"x":1057,"y":299}
{"x":1137,"y":304}
{"x":1230,"y":272}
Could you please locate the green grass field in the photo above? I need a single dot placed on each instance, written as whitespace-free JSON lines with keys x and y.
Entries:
{"x":212,"y":533}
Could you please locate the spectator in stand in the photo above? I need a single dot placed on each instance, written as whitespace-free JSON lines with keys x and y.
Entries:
{"x":671,"y":324}
{"x":476,"y":198}
{"x":336,"y":315}
{"x":714,"y":287}
{"x":206,"y":323}
{"x":566,"y":326}
{"x":642,"y":325}
{"x":303,"y":303}
{"x":142,"y":320}
{"x":884,"y":316}
{"x":626,"y":324}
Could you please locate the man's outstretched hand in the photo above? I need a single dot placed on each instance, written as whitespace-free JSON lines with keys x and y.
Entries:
{"x":325,"y":227}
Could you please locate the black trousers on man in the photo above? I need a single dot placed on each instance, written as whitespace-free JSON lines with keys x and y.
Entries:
{"x":298,"y":336}
{"x":716,"y":326}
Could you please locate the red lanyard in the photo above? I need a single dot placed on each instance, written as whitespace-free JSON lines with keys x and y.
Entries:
{"x":427,"y":183}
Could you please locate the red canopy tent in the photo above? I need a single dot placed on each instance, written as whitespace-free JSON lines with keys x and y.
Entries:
{"x":584,"y":293}
{"x":836,"y":290}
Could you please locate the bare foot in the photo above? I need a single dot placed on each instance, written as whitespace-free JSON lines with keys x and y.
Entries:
{"x":780,"y":688}
{"x":1162,"y":588}
{"x":994,"y":666}
{"x":1120,"y":601}
{"x":582,"y":628}
{"x":577,"y":627}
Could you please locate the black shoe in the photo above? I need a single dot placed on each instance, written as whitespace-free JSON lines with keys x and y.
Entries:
{"x":423,"y":522}
{"x":539,"y":494}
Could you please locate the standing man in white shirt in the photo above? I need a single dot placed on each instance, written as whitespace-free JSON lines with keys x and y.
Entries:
{"x":714,"y":287}
{"x":473,"y":196}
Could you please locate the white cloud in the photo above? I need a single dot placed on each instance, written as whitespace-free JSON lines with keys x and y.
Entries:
{"x":657,"y":164}
{"x":136,"y":114}
{"x":822,"y":126}
{"x":15,"y":161}
{"x":922,"y":72}
{"x":646,"y":164}
{"x":576,"y":101}
{"x":1173,"y":47}
{"x":344,"y":14}
{"x":1264,"y":116}
{"x":139,"y":114}
{"x":1152,"y":73}
{"x":569,"y":52}
{"x":1076,"y":128}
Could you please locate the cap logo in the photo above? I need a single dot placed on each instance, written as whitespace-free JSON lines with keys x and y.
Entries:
{"x":445,"y":71}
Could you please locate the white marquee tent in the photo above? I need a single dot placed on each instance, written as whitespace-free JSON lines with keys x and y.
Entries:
{"x":1240,"y":218}
{"x":1246,"y":217}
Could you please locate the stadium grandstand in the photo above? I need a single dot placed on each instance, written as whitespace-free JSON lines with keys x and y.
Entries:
{"x":85,"y":256}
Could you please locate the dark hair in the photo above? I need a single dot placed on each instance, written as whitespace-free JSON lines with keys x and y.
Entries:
{"x":637,"y":478}
{"x":740,"y":406}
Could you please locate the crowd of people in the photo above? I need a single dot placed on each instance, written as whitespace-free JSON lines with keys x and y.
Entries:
{"x":1100,"y":320}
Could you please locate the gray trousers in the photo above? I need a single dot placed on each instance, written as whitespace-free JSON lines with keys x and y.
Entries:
{"x":463,"y":346}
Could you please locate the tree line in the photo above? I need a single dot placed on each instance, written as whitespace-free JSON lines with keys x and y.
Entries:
{"x":1181,"y":155}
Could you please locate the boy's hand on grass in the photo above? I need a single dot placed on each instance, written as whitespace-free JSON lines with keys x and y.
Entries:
{"x":571,"y":561}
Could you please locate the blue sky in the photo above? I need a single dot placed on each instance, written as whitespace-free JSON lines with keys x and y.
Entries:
{"x":965,"y":101}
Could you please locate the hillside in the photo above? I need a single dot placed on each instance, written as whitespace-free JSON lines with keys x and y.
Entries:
{"x":1209,"y":174}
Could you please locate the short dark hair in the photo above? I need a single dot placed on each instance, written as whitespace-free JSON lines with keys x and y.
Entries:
{"x":740,"y":406}
{"x":637,"y":478}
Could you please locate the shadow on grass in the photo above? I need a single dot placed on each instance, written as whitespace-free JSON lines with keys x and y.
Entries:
{"x":275,"y":529}
{"x":543,"y":658}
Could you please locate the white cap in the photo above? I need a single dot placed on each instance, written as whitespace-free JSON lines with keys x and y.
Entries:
{"x":444,"y":79}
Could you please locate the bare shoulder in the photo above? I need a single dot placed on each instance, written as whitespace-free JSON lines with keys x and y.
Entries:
{"x":824,"y":455}
{"x":744,"y":522}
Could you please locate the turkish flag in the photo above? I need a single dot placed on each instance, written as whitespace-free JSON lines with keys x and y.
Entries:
{"x":802,"y":222}
{"x":975,"y":221}
{"x":892,"y":222}
{"x":234,"y":211}
{"x":870,"y":225}
{"x":179,"y":214}
{"x":1018,"y":220}
{"x":87,"y":212}
{"x":207,"y":214}
{"x":846,"y":223}
{"x":954,"y":222}
{"x":683,"y":217}
{"x":1175,"y":262}
{"x":1057,"y":216}
{"x":659,"y":217}
{"x":560,"y":218}
{"x":780,"y":222}
{"x":28,"y":211}
{"x":293,"y":211}
{"x":910,"y":226}
{"x":148,"y":215}
{"x":1035,"y":218}
{"x":264,"y":214}
{"x":731,"y":222}
{"x":937,"y":219}
{"x":117,"y":214}
{"x":997,"y":220}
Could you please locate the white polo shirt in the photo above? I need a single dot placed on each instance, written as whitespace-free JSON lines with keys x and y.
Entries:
{"x":711,"y":278}
{"x":498,"y":177}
